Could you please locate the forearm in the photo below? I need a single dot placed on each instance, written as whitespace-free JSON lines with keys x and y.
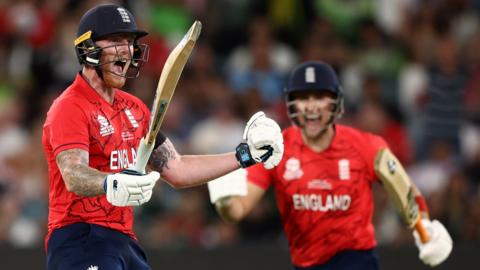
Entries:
{"x":84,"y":180}
{"x":230,"y":209}
{"x":190,"y":170}
{"x":234,"y":208}
{"x":79,"y":178}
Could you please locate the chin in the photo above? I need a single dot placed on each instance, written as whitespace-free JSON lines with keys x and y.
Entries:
{"x":117,"y":82}
{"x":312,"y":134}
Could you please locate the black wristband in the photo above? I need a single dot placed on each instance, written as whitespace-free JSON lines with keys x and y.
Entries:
{"x":160,"y":139}
{"x":244,"y":156}
{"x":105,"y":184}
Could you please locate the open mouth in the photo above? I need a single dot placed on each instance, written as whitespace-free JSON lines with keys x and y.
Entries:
{"x":119,"y":65}
{"x":312,"y":117}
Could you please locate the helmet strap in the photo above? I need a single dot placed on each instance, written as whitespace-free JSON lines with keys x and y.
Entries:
{"x":99,"y":72}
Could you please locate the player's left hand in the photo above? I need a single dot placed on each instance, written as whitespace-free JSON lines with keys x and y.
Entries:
{"x":438,"y":248}
{"x":264,"y":139}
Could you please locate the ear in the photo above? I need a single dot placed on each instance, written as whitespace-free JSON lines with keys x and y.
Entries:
{"x":88,"y":53}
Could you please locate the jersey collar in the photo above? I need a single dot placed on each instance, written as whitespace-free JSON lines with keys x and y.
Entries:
{"x":333,"y":143}
{"x":89,"y":93}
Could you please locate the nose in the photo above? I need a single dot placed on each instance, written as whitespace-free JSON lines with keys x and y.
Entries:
{"x":124,"y":47}
{"x":311,"y":102}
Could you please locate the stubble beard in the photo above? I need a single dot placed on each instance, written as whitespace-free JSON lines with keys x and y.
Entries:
{"x":114,"y":81}
{"x":316,"y":134}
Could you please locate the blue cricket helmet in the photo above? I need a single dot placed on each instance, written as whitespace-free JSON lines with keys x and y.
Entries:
{"x":108,"y":19}
{"x":313,"y":76}
{"x":104,"y":20}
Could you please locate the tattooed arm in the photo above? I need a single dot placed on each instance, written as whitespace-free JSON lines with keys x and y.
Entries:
{"x":78,"y":176}
{"x":182,"y":171}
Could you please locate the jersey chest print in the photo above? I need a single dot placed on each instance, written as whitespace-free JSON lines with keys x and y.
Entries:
{"x":320,"y":186}
{"x":114,"y":135}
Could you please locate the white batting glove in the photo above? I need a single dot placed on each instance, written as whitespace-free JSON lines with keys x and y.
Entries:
{"x":231,"y":184}
{"x":129,"y":188}
{"x":438,"y":248}
{"x":264,"y":139}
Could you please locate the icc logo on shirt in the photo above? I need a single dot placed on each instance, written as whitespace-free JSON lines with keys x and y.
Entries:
{"x":292,"y":169}
{"x":105,"y":127}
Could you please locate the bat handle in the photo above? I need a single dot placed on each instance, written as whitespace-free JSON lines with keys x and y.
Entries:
{"x":422,"y":232}
{"x":143,"y":155}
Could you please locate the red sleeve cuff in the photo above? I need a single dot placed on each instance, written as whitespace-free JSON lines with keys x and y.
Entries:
{"x":259,"y":176}
{"x":259,"y":184}
{"x":68,"y":146}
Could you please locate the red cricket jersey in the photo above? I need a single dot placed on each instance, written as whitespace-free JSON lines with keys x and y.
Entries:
{"x":324,"y":199}
{"x":81,"y":118}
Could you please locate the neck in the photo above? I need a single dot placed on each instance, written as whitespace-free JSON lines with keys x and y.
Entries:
{"x":90,"y":75}
{"x":322,"y":141}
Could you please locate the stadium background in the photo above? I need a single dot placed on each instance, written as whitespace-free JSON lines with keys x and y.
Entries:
{"x":410,"y":71}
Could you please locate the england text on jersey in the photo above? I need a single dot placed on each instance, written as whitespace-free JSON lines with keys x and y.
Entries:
{"x":317,"y":202}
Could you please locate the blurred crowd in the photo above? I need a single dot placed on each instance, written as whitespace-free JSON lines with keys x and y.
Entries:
{"x":410,"y":70}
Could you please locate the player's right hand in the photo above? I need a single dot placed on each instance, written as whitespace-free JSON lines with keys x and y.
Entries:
{"x":129,"y":188}
{"x":438,"y":248}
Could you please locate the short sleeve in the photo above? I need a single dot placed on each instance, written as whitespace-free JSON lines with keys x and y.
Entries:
{"x":258,"y":175}
{"x":69,"y":128}
{"x":374,"y":144}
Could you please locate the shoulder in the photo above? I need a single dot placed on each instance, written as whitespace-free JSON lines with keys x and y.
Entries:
{"x":359,"y":138}
{"x":291,"y":133}
{"x":67,"y":109}
{"x":69,"y":100}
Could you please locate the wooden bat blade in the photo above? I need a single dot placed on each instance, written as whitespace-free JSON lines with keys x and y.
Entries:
{"x":169,"y":78}
{"x":167,"y":83}
{"x":398,"y":185}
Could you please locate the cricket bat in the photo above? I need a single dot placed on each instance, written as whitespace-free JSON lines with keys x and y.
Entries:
{"x":399,"y":187}
{"x":166,"y":87}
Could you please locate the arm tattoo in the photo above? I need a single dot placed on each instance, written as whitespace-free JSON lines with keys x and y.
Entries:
{"x":160,"y":156}
{"x":78,"y":176}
